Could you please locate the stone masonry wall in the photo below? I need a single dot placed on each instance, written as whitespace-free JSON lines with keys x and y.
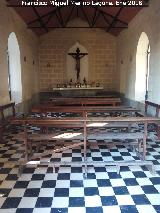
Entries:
{"x":101,"y":48}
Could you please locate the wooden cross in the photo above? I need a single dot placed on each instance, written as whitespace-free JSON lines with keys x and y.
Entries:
{"x":77,"y":56}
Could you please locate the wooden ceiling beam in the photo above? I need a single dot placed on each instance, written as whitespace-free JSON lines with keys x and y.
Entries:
{"x":69,"y":16}
{"x":40,"y":20}
{"x":111,"y":16}
{"x":43,"y":16}
{"x":34,"y":27}
{"x":98,"y":15}
{"x":85,"y":15}
{"x":94,"y":17}
{"x":61,"y":18}
{"x":114,"y":19}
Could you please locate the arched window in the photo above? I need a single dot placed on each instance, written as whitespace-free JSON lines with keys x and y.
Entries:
{"x":14,"y":69}
{"x":142,"y":68}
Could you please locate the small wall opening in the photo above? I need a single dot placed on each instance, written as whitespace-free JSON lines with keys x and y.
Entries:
{"x":14,"y":69}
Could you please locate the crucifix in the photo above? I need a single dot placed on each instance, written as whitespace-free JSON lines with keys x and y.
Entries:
{"x":77,"y":56}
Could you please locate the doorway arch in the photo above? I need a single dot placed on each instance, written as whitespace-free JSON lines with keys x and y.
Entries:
{"x":142,"y":68}
{"x":14,"y":69}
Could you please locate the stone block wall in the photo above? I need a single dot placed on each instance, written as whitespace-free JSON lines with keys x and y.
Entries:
{"x":101,"y":48}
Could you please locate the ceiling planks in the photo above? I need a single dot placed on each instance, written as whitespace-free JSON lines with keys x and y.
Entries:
{"x":45,"y":18}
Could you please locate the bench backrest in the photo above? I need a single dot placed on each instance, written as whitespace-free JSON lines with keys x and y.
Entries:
{"x":154,"y":105}
{"x":5,"y":107}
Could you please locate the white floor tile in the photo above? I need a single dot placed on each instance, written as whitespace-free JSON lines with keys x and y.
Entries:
{"x":17,"y":192}
{"x":144,"y":181}
{"x":157,"y":187}
{"x":90,"y":183}
{"x":46,"y":192}
{"x":60,"y":202}
{"x":106,"y":191}
{"x":62,"y":183}
{"x":63,"y":169}
{"x":154,"y":199}
{"x":127,"y":175}
{"x":2,"y":199}
{"x":111,"y":209}
{"x":25,"y":177}
{"x":117,"y":182}
{"x":145,"y":208}
{"x":124,"y":200}
{"x":8,"y":211}
{"x":51,"y":176}
{"x":42,"y":210}
{"x":27,"y":202}
{"x":102,"y":175}
{"x":3,"y":177}
{"x":76,"y":192}
{"x":35,"y":184}
{"x":76,"y":176}
{"x":76,"y":210}
{"x":135,"y":190}
{"x":92,"y":201}
{"x":8,"y":184}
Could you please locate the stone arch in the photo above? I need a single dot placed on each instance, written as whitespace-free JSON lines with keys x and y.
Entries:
{"x":142,"y":68}
{"x":14,"y":69}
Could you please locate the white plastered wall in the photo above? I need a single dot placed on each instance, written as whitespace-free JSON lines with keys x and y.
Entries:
{"x":28,"y":45}
{"x":147,"y":20}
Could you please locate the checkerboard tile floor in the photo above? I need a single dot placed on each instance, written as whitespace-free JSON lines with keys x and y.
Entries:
{"x":41,"y":189}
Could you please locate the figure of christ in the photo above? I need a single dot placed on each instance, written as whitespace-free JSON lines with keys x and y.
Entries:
{"x":77,"y":56}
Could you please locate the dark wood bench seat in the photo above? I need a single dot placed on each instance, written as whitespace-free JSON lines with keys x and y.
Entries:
{"x":85,"y":101}
{"x":79,"y":136}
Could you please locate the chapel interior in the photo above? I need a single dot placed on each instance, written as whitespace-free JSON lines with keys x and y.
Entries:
{"x":88,"y":75}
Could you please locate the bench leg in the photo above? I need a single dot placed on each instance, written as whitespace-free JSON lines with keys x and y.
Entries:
{"x":20,"y":169}
{"x":1,"y":133}
{"x":158,"y":132}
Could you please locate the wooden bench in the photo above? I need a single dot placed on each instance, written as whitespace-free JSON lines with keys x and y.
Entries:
{"x":146,"y":113}
{"x":82,"y":122}
{"x":44,"y":109}
{"x":86,"y":101}
{"x":49,"y":108}
{"x":5,"y":120}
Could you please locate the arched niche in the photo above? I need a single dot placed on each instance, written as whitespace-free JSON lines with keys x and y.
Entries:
{"x":71,"y":64}
{"x":142,"y":68}
{"x":14,"y":69}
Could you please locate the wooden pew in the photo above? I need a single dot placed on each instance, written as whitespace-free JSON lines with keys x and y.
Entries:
{"x":44,"y":109}
{"x":83,"y":123}
{"x":154,"y":105}
{"x":86,"y":101}
{"x":4,"y":120}
{"x":157,"y":111}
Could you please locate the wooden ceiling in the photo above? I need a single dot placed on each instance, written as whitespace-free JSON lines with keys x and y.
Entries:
{"x":42,"y":19}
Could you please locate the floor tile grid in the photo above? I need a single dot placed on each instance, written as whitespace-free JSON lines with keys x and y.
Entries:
{"x":135,"y":189}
